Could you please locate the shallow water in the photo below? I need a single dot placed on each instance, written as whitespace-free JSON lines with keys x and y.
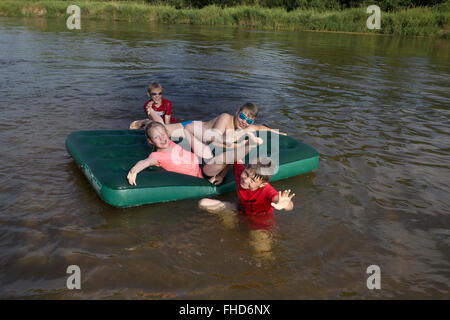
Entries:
{"x":375,"y":107}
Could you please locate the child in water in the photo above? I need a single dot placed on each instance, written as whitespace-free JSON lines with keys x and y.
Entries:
{"x":172,"y":157}
{"x":256,"y":201}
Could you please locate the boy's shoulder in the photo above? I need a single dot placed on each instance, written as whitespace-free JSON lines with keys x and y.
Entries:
{"x":166,"y":103}
{"x":269,"y":193}
{"x":225,"y":116}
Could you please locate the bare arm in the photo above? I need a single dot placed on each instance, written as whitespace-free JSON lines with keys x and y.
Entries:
{"x":232,"y":137}
{"x":261,"y":127}
{"x":138,"y":167}
{"x":167,"y":119}
{"x":200,"y":149}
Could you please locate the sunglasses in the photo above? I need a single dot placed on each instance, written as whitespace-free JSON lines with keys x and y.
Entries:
{"x":243,"y":117}
{"x":156,"y":93}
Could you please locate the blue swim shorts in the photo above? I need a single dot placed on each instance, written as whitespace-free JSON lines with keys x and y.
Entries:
{"x":184,"y":123}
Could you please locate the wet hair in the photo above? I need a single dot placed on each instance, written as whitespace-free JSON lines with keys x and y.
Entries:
{"x":151,"y":125}
{"x":262,"y":169}
{"x":154,"y":85}
{"x":251,"y":108}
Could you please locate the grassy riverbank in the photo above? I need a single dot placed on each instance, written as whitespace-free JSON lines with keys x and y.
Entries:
{"x":419,"y":21}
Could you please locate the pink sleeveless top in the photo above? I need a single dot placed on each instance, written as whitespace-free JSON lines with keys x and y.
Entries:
{"x":179,"y":160}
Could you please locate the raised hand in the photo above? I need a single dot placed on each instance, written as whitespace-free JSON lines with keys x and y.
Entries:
{"x":284,"y":200}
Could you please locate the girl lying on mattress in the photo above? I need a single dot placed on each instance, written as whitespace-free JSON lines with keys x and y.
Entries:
{"x":172,"y":157}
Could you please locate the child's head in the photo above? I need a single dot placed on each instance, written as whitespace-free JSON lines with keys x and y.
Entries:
{"x":246,"y":115}
{"x":155,"y":91}
{"x":157,"y":135}
{"x":256,"y":175}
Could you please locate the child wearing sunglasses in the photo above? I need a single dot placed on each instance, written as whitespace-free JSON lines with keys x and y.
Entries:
{"x":157,"y":103}
{"x":229,"y":128}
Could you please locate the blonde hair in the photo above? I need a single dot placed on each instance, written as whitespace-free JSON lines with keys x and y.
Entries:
{"x":154,"y":85}
{"x":153,"y":125}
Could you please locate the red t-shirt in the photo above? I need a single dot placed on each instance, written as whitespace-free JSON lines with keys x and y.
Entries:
{"x":165,"y":109}
{"x":253,"y":203}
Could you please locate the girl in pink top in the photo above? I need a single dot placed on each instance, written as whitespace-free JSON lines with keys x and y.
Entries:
{"x":168,"y":155}
{"x":177,"y":160}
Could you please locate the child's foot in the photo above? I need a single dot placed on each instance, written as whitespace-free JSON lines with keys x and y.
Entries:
{"x":138,"y":124}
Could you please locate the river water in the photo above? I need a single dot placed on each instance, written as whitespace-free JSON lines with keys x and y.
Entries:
{"x":376,"y":108}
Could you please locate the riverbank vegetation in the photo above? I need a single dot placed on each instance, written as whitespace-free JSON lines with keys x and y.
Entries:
{"x":398,"y":17}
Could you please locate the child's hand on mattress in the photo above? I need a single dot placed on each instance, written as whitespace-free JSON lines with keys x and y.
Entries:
{"x":131,"y":178}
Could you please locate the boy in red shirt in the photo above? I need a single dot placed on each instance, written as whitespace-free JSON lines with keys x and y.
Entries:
{"x":255,"y":194}
{"x":257,"y":199}
{"x":161,"y":106}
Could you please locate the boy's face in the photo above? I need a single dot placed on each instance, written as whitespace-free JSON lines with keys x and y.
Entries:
{"x":250,"y":182}
{"x":243,"y":123}
{"x":155,"y":94}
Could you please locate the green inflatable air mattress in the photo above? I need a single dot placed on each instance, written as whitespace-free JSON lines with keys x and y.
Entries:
{"x":106,"y":156}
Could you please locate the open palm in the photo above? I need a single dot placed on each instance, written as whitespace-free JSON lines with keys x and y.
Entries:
{"x":284,"y":199}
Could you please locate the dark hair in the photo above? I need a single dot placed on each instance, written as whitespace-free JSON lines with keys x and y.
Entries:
{"x":251,"y":108}
{"x":262,"y":169}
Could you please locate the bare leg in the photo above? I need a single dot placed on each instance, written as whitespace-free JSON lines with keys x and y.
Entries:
{"x":175,"y":130}
{"x":218,"y":163}
{"x":199,"y":148}
{"x":197,"y":130}
{"x":261,"y":242}
{"x":153,"y":116}
{"x":139,"y":124}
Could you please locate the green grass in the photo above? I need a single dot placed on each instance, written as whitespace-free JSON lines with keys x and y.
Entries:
{"x":423,"y":21}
